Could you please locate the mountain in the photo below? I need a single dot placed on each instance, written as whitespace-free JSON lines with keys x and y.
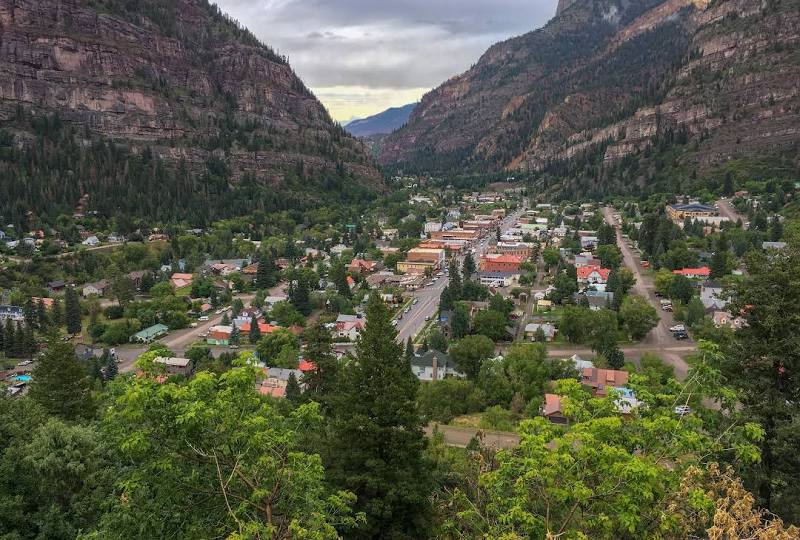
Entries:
{"x":166,"y":109}
{"x":382,"y":123}
{"x":606,"y":82}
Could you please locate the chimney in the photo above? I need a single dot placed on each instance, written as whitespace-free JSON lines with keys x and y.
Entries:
{"x":435,"y":368}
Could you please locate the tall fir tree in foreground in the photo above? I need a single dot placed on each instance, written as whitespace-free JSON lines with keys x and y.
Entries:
{"x":60,"y":383}
{"x":377,"y":438}
{"x":72,"y":311}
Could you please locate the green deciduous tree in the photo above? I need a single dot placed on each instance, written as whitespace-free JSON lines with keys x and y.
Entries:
{"x":376,"y":447}
{"x":251,"y":479}
{"x":490,"y":323}
{"x":470,"y":352}
{"x":638,"y":316}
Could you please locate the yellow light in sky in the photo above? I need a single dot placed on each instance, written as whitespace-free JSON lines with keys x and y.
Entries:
{"x":348,"y":102}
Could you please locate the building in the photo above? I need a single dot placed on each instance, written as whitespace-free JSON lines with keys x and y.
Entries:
{"x":432,"y":226}
{"x":679,"y":212}
{"x":435,"y":256}
{"x":435,"y":366}
{"x":694,"y":273}
{"x":532,"y":329}
{"x":96,"y":289}
{"x":519,"y":249}
{"x":408,"y":267}
{"x":552,"y":409}
{"x":593,"y":275}
{"x":179,"y":280}
{"x":498,"y":262}
{"x":390,"y":234}
{"x":148,"y":335}
{"x":363,"y":267}
{"x":175,"y":366}
{"x":276,"y":380}
{"x":13,"y":313}
{"x":600,"y":380}
{"x":498,"y":279}
{"x":589,"y":242}
{"x":712,"y":297}
{"x":219,"y":336}
{"x":597,"y":300}
{"x":91,"y":241}
{"x":456,"y":234}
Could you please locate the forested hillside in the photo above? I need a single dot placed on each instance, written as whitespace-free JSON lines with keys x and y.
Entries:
{"x":166,"y":109}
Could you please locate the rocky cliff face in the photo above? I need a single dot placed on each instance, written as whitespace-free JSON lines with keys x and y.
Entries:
{"x":174,"y":76}
{"x":611,"y":76}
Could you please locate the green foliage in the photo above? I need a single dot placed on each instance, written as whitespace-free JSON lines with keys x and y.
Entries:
{"x":72,"y":311}
{"x":470,"y":352}
{"x":638,"y":316}
{"x":490,"y":323}
{"x":443,"y":400}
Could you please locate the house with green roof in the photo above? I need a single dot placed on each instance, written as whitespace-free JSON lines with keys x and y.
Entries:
{"x":435,"y":366}
{"x":149,"y":335}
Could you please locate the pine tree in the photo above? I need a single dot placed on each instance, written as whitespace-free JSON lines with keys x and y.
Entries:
{"x":293,"y":393}
{"x":719,"y":261}
{"x":320,"y":382}
{"x":255,"y":330}
{"x":339,"y":277}
{"x":41,"y":314}
{"x":60,"y":383}
{"x":9,"y":337}
{"x":468,"y":268}
{"x":29,"y":312}
{"x":28,"y":342}
{"x":299,"y":297}
{"x":455,"y":284}
{"x":267,"y":272}
{"x":376,"y":450}
{"x":236,"y":336}
{"x":57,"y":313}
{"x":409,"y":349}
{"x":225,"y":320}
{"x":111,"y":367}
{"x":72,"y":311}
{"x":19,"y":345}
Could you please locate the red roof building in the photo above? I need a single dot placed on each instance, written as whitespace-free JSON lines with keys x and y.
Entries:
{"x":593,"y":274}
{"x":264,"y":327}
{"x":702,"y":272}
{"x":497,"y":262}
{"x":306,"y":366}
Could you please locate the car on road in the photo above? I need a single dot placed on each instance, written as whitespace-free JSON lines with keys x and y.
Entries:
{"x":428,"y":317}
{"x":204,"y":318}
{"x":416,"y":301}
{"x":407,"y":310}
{"x":394,"y":322}
{"x":678,"y":328}
{"x":680,"y":336}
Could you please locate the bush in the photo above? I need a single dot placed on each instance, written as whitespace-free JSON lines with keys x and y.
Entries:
{"x":498,"y":418}
{"x":114,"y":312}
{"x":441,"y":401}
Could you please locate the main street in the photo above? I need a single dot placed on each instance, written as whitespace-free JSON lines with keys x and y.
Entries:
{"x":660,"y":340}
{"x":427,"y":297}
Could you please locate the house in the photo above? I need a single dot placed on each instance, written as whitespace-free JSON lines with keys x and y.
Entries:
{"x":600,"y":380}
{"x":498,"y":279}
{"x":276,"y":381}
{"x":552,"y":409}
{"x":47,"y":302}
{"x":679,"y":212}
{"x":712,"y":296}
{"x":626,"y":400}
{"x":589,"y":242}
{"x":772,"y":245}
{"x":98,"y":288}
{"x":435,"y":366}
{"x":175,"y":366}
{"x":56,"y":286}
{"x":432,"y":226}
{"x":363,"y":267}
{"x":390,"y":234}
{"x":694,"y":273}
{"x":597,"y":300}
{"x":592,"y":275}
{"x":498,"y":262}
{"x":263,"y":327}
{"x":586,"y":260}
{"x":180,"y":280}
{"x":12,"y":313}
{"x":544,"y":305}
{"x":520,"y":249}
{"x":350,"y":329}
{"x":219,"y":336}
{"x":579,"y":363}
{"x":91,"y":241}
{"x":433,"y":256}
{"x":148,"y":335}
{"x":137,"y":277}
{"x":338,"y":249}
{"x":412,"y":267}
{"x":532,"y":329}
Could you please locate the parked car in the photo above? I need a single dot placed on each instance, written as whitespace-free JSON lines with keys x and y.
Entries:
{"x":394,"y":322}
{"x":678,"y":328}
{"x":407,"y":310}
{"x":681,"y":335}
{"x":416,"y":301}
{"x":204,"y":318}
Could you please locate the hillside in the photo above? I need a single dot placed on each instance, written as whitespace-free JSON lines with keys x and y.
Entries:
{"x":162,"y":108}
{"x":382,"y":123}
{"x":610,"y":77}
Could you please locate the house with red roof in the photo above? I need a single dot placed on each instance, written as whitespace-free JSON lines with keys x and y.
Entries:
{"x":363,"y":267}
{"x":593,"y":275}
{"x":264,"y":327}
{"x":180,"y":281}
{"x":306,"y":366}
{"x":552,"y":409}
{"x":694,"y":273}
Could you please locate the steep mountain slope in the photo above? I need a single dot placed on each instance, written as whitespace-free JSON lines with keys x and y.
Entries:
{"x":382,"y":123}
{"x":164,"y":107}
{"x":609,"y":76}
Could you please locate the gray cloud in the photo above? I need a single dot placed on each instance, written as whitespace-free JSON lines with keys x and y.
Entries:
{"x":384,"y":44}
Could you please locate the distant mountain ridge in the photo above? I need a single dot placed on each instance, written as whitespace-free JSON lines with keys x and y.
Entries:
{"x":382,"y":123}
{"x":609,"y":78}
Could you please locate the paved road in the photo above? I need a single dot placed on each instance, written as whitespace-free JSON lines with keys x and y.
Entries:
{"x":428,"y":297}
{"x":660,"y":339}
{"x":727,"y":210}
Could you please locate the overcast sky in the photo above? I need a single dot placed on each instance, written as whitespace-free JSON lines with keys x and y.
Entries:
{"x":363,"y":56}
